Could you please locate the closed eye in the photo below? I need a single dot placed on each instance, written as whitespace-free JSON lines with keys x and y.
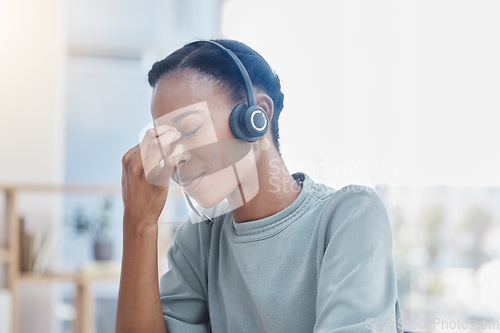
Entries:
{"x":192,"y":132}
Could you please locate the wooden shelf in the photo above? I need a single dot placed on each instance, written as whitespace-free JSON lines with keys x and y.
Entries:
{"x":97,"y":270}
{"x":5,"y":256}
{"x":60,"y":277}
{"x":83,"y":279}
{"x":68,"y":277}
{"x":74,"y":188}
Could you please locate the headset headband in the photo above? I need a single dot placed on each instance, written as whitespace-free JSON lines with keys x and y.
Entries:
{"x":246,"y":78}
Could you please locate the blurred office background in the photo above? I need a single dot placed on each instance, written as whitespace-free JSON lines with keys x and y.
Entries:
{"x":398,"y":95}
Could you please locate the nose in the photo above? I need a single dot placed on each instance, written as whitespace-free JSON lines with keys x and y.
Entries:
{"x":185,"y":158}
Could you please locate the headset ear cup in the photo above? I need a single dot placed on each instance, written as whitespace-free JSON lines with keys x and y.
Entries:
{"x":235,"y":122}
{"x":255,"y":121}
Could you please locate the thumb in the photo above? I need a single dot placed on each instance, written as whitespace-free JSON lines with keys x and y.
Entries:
{"x":176,"y":156}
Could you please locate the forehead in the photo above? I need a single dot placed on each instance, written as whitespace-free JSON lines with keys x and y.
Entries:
{"x":175,"y":118}
{"x":179,"y":90}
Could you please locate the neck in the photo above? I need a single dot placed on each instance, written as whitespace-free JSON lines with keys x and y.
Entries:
{"x":277,"y":189}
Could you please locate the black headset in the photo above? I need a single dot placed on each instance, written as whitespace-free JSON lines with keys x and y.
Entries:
{"x":247,"y":121}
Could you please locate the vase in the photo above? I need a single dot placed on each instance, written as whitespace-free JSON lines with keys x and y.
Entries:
{"x":103,"y":250}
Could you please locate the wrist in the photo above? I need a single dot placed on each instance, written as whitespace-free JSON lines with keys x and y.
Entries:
{"x":140,"y":226}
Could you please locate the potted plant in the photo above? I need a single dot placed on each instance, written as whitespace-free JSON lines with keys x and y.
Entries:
{"x":98,"y":228}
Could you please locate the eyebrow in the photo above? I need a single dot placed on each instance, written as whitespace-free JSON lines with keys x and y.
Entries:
{"x":185,"y":114}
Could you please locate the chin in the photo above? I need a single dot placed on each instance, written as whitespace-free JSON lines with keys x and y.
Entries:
{"x":213,"y":189}
{"x":209,"y":201}
{"x":207,"y":198}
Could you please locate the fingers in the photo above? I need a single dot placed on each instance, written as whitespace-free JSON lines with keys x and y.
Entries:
{"x":127,"y":160}
{"x":157,"y":156}
{"x":157,"y":131}
{"x":159,"y":173}
{"x":129,"y":154}
{"x":160,"y":159}
{"x":176,"y":156}
{"x":152,"y":133}
{"x":159,"y":149}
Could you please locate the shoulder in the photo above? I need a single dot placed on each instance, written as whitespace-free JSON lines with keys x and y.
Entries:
{"x":355,"y":198}
{"x":355,"y":211}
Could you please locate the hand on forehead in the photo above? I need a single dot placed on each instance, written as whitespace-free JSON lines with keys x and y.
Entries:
{"x":200,"y":138}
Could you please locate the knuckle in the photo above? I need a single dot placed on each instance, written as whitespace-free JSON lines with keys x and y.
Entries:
{"x":150,"y":133}
{"x":128,"y":155}
{"x":168,"y":138}
{"x":125,"y":158}
{"x":136,"y":168}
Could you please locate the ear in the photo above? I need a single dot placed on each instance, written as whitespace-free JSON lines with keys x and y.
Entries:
{"x":267,"y":104}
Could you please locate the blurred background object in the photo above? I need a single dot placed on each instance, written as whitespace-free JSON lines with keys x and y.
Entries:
{"x":397,"y":95}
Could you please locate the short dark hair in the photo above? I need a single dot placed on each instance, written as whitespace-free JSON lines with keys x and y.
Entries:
{"x":210,"y":60}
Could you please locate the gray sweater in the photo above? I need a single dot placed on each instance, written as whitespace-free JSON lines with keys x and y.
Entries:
{"x":323,"y":264}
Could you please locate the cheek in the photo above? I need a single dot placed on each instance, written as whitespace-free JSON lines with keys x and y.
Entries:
{"x":224,"y":183}
{"x":221,"y":128}
{"x":209,"y":132}
{"x":205,"y":156}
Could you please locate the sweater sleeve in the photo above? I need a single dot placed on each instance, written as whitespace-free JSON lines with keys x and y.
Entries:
{"x":182,"y":287}
{"x":357,"y":287}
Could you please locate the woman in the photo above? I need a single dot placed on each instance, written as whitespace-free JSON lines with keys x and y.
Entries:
{"x":291,"y":255}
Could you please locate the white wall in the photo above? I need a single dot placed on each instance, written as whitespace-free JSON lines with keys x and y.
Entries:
{"x":393,"y":91}
{"x":32,"y":39}
{"x":32,"y":88}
